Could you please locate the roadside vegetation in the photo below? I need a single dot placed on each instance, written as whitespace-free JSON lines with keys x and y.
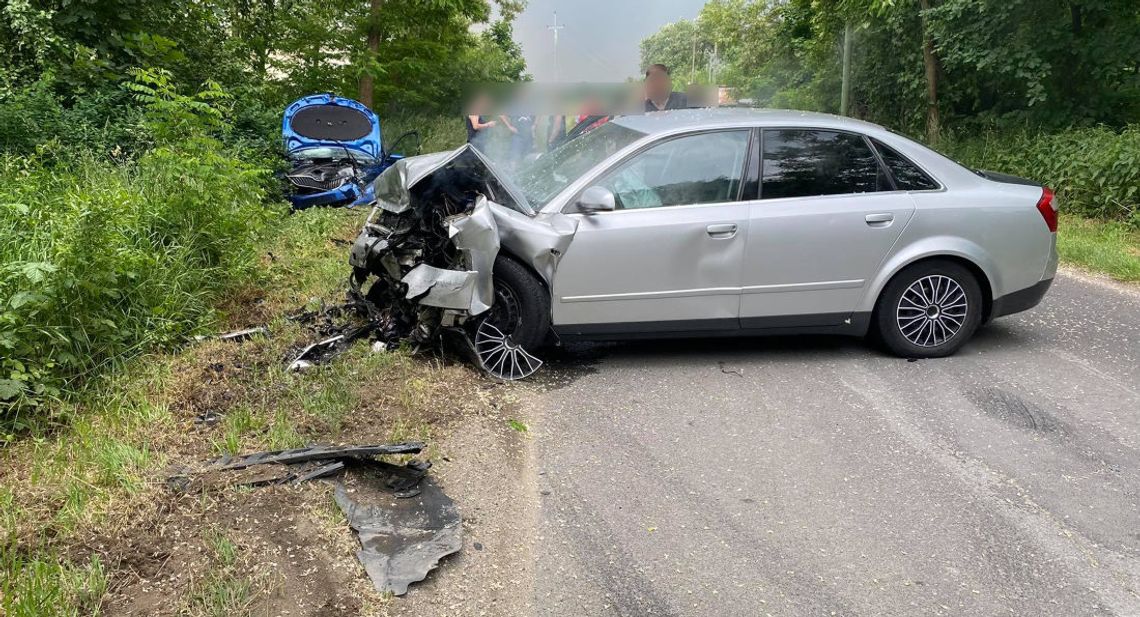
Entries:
{"x":140,"y":210}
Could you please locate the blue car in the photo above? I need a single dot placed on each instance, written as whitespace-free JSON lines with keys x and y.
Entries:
{"x":335,"y":150}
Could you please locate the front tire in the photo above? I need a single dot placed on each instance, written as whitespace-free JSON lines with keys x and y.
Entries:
{"x":521,"y":309}
{"x":929,"y":310}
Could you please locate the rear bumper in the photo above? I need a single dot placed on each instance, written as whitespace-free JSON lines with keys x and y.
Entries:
{"x":1021,"y":300}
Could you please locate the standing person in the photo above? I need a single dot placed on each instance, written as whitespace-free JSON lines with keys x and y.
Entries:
{"x":556,"y":131}
{"x":478,"y":124}
{"x":659,"y":94}
{"x":522,"y":139}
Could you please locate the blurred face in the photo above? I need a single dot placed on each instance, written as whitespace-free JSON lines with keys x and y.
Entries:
{"x":658,"y":85}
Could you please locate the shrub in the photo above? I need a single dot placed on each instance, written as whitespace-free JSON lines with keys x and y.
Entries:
{"x":101,"y":260}
{"x":1095,"y":171}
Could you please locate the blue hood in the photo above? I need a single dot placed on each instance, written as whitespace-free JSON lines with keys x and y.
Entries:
{"x":327,"y":120}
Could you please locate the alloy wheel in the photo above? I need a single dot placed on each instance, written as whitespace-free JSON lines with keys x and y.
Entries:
{"x":932,"y":310}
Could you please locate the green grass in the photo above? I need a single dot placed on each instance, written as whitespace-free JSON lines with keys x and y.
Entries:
{"x":46,"y":586}
{"x":1107,"y":247}
{"x":224,"y":592}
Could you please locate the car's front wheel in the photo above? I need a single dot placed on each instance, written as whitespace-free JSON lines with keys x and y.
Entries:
{"x":929,"y":310}
{"x":516,"y":324}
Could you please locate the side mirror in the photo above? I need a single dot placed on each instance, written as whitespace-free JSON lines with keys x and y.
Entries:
{"x":596,"y":199}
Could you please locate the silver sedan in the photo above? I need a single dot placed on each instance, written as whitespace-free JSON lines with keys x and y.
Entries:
{"x":717,"y":222}
{"x":706,"y":222}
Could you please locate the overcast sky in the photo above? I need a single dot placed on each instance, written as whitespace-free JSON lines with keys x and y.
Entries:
{"x":599,"y":42}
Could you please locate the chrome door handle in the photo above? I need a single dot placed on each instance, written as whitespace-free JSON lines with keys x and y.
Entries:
{"x":723,"y":230}
{"x":882,"y":219}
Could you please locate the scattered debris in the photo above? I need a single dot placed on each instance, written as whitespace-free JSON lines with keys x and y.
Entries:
{"x":739,"y":372}
{"x":403,"y":520}
{"x":237,"y":335}
{"x":401,"y":540}
{"x":284,"y":466}
{"x":329,"y":348}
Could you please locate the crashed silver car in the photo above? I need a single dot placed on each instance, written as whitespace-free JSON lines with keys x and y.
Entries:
{"x":702,"y":223}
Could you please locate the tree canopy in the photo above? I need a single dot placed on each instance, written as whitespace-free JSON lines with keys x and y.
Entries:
{"x":1050,"y":63}
{"x":417,"y":53}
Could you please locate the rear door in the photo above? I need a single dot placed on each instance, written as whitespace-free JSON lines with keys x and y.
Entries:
{"x":669,"y":257}
{"x":827,"y":216}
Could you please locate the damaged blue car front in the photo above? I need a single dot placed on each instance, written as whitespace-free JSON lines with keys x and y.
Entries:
{"x":335,"y":151}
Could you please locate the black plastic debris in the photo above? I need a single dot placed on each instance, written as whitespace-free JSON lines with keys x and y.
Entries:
{"x":327,"y":349}
{"x":316,"y":453}
{"x":289,"y":466}
{"x":401,"y":539}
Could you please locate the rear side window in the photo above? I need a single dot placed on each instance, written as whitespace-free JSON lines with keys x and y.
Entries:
{"x":806,"y":163}
{"x":908,"y":177}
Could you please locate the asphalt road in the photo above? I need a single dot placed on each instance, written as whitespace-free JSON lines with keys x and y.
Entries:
{"x":817,"y":476}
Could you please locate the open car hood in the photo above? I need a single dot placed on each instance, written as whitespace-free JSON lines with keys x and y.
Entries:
{"x":327,"y":120}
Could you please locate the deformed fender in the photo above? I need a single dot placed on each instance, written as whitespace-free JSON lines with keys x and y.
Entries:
{"x":539,"y":241}
{"x":939,"y":246}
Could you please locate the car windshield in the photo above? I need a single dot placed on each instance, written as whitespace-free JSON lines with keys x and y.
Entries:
{"x":331,"y":153}
{"x":549,"y":174}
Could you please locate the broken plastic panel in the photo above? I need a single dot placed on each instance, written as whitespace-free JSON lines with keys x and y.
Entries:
{"x":401,"y":540}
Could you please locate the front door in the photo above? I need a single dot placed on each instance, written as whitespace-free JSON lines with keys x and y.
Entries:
{"x":827,"y":217}
{"x":668,"y":258}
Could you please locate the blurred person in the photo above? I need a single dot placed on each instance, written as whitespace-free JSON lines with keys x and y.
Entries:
{"x":659,"y":94}
{"x":479,"y":125}
{"x":522,"y":128}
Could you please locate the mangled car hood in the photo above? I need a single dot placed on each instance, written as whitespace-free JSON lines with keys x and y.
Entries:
{"x":331,"y":121}
{"x":394,"y":187}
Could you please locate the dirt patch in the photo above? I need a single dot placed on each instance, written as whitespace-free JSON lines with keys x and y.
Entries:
{"x":293,"y":553}
{"x":278,"y":547}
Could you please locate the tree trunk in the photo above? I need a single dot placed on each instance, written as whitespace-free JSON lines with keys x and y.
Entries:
{"x":373,"y":47}
{"x":930,"y":63}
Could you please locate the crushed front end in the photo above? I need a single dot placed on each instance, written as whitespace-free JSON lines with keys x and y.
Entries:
{"x":423,"y":262}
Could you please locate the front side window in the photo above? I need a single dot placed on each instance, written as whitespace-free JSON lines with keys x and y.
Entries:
{"x":908,"y":177}
{"x":807,"y":163}
{"x":696,"y":169}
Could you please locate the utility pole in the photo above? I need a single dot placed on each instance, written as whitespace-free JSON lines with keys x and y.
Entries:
{"x":845,"y":91}
{"x":555,"y":27}
{"x":693,"y":64}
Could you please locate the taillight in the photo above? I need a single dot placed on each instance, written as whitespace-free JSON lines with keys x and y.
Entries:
{"x":1045,"y":207}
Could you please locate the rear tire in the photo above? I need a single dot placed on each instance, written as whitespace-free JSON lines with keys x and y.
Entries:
{"x":929,"y":310}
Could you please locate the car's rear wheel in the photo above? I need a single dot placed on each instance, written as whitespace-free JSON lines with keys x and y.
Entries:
{"x":929,"y":310}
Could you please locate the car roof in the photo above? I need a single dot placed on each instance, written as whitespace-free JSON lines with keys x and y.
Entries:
{"x":679,"y":119}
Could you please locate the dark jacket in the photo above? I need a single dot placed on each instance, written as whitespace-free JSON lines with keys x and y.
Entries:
{"x":677,"y":100}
